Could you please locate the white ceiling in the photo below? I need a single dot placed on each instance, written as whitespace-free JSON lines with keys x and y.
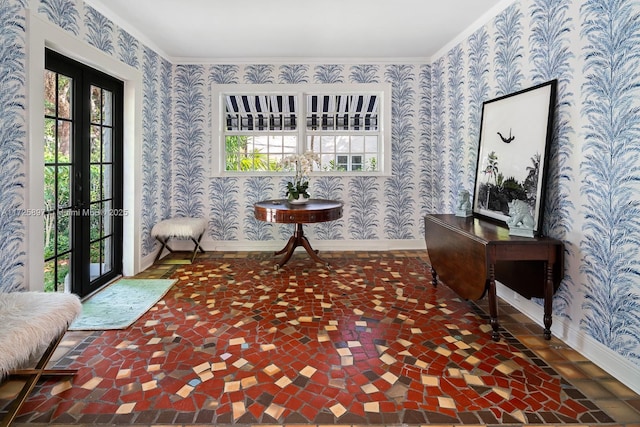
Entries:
{"x":247,"y":30}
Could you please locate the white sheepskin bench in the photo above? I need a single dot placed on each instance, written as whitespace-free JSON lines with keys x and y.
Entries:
{"x":179,"y":228}
{"x":31,"y":322}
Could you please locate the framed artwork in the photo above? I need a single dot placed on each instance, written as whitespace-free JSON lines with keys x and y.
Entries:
{"x":515,"y":133}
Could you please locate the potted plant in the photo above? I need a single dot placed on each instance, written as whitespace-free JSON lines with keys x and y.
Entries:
{"x":298,"y":188}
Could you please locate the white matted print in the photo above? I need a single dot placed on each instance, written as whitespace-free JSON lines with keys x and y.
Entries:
{"x":515,"y":133}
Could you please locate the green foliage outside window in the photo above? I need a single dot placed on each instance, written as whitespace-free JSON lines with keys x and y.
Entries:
{"x":240,"y":158}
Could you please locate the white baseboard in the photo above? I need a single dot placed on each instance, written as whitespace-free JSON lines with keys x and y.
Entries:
{"x":613,"y":363}
{"x":275,"y":245}
{"x":322,"y":245}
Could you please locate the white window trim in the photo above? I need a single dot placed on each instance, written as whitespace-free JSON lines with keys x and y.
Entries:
{"x":218,"y":92}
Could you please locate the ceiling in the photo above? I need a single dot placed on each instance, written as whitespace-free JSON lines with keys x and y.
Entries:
{"x":249,"y":30}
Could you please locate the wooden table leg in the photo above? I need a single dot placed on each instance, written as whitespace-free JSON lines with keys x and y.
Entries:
{"x":298,"y":239}
{"x":548,"y":301}
{"x":434,"y":278}
{"x":287,"y":251}
{"x":493,"y":303}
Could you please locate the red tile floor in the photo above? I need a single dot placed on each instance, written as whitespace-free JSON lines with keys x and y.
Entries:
{"x":367,"y":342}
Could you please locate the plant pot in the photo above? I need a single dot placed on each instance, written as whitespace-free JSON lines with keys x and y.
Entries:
{"x":299,"y":201}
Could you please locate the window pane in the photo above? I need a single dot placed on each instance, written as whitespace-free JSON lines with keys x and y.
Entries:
{"x":95,"y":252}
{"x":49,"y":235}
{"x":49,"y":93}
{"x":276,"y":144}
{"x":357,"y":143}
{"x":50,"y":276}
{"x":107,"y":108}
{"x":107,"y":218}
{"x":356,"y":163}
{"x":96,"y":105}
{"x":371,"y":162}
{"x":65,"y":88}
{"x":96,"y":143}
{"x":275,"y":161}
{"x":371,"y":144}
{"x":106,"y":249}
{"x":95,"y":183}
{"x":64,"y":141}
{"x":95,"y":221}
{"x":107,"y":179}
{"x":107,"y":144}
{"x":64,"y":186}
{"x":327,"y":144}
{"x":50,"y":187}
{"x":342,"y":162}
{"x":64,"y":232}
{"x":327,"y":162}
{"x":342,"y":144}
{"x":290,"y":144}
{"x":63,"y":276}
{"x":49,"y":140}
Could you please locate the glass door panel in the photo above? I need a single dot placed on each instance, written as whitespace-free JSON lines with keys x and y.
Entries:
{"x":83,"y":176}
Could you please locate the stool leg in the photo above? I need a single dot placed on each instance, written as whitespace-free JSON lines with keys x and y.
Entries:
{"x":164,"y":245}
{"x":197,"y":246}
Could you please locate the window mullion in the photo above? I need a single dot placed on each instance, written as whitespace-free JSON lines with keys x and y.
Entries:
{"x":302,"y":122}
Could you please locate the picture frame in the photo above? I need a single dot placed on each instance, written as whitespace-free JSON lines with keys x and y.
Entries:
{"x":515,"y":134}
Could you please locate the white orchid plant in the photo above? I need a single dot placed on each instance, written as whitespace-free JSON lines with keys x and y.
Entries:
{"x":303,"y":166}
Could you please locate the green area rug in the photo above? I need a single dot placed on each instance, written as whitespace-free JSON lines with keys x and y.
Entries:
{"x":120,"y":304}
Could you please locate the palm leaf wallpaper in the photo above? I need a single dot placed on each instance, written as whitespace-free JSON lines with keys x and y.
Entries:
{"x":456,"y":124}
{"x":610,"y":168}
{"x":593,"y":191}
{"x":13,"y":133}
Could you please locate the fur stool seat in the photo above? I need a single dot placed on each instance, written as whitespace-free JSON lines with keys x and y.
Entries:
{"x":31,"y":322}
{"x":179,"y":228}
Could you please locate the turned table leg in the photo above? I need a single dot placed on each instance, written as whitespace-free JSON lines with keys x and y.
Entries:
{"x":493,"y":303}
{"x":548,"y":301}
{"x":298,"y":239}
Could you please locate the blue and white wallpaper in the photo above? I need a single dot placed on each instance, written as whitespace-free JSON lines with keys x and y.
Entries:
{"x":593,"y":197}
{"x":375,"y":208}
{"x":593,"y":192}
{"x":13,"y":137}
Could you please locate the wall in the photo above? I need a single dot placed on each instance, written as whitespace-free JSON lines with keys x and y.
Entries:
{"x":13,"y":136}
{"x":379,"y":211}
{"x":593,"y":201}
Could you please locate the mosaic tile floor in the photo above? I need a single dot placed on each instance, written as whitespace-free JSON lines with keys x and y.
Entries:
{"x":367,"y":342}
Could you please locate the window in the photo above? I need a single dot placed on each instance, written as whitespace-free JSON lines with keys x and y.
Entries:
{"x":346,"y":126}
{"x":349,"y":163}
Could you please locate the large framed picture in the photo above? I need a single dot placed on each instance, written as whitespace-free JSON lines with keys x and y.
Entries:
{"x":515,"y":134}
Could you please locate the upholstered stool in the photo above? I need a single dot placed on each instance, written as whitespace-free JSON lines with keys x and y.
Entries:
{"x":179,"y":228}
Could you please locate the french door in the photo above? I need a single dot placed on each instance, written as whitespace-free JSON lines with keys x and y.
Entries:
{"x":83,"y":176}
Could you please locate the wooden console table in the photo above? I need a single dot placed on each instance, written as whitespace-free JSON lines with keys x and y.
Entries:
{"x":470,"y":254}
{"x":280,"y":211}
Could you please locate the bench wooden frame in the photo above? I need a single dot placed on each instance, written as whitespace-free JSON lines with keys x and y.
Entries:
{"x":33,"y":375}
{"x":49,"y":319}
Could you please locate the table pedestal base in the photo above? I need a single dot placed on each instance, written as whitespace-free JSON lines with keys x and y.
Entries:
{"x":298,"y":239}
